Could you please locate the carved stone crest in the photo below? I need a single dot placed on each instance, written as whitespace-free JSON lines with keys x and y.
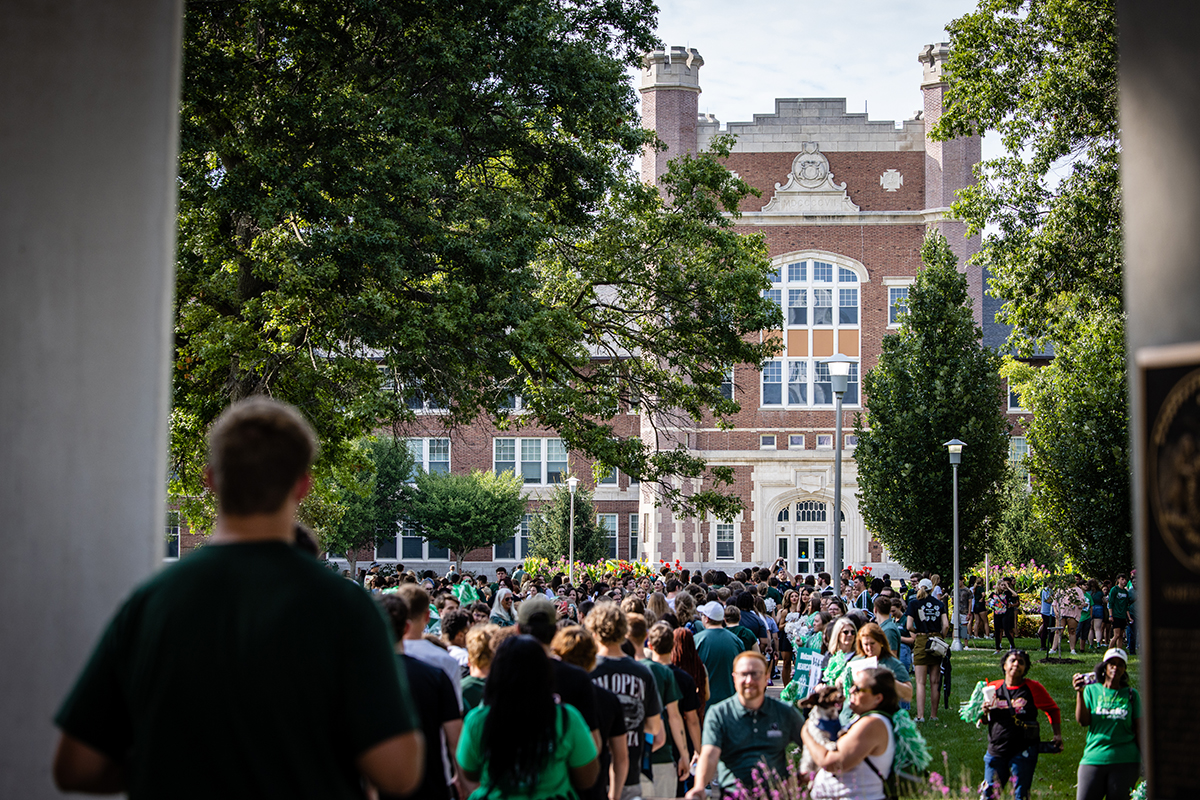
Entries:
{"x":810,"y":188}
{"x":891,"y":180}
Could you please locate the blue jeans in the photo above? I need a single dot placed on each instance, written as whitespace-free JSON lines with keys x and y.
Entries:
{"x":997,"y":769}
{"x":906,"y":657}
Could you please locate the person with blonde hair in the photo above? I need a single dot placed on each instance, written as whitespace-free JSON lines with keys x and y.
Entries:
{"x":479,"y":662}
{"x":632,"y":683}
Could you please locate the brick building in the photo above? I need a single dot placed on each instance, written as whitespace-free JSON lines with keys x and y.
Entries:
{"x":846,"y":202}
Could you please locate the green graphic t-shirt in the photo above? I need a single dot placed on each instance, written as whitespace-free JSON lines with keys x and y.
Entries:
{"x":1115,"y":713}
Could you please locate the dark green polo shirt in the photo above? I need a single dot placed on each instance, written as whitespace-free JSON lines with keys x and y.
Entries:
{"x":748,"y":738}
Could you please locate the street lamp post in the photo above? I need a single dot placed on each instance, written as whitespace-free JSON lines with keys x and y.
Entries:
{"x":955,"y":447}
{"x":839,"y":377}
{"x":572,"y":482}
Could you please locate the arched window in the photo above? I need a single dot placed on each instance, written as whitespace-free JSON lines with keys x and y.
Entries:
{"x":810,"y":511}
{"x":783,"y":514}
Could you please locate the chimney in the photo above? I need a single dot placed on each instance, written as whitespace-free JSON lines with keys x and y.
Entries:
{"x":670,"y":99}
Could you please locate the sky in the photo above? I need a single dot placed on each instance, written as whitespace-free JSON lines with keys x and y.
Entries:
{"x":757,"y":50}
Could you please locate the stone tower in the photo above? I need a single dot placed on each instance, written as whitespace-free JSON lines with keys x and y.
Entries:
{"x":948,"y":168}
{"x":670,"y":100}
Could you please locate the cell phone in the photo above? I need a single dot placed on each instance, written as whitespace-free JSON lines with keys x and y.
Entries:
{"x":1088,"y":677}
{"x":1049,"y":747}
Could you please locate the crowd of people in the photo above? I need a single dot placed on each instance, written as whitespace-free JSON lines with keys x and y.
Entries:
{"x":250,"y":669}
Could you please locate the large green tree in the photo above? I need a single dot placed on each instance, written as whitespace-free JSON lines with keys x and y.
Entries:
{"x":550,"y":528}
{"x":934,"y":382}
{"x":444,"y":190}
{"x":1042,"y":75}
{"x":1079,"y":448}
{"x":462,"y":512}
{"x":1020,"y":535}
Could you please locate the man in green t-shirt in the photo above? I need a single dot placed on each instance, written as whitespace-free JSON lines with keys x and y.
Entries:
{"x":261,"y":626}
{"x":745,"y":731}
{"x":717,"y":648}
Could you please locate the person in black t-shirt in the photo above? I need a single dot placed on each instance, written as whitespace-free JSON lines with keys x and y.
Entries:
{"x":437,"y":706}
{"x":575,"y":646}
{"x":926,"y":617}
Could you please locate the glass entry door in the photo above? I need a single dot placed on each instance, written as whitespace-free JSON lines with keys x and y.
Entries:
{"x":802,"y":536}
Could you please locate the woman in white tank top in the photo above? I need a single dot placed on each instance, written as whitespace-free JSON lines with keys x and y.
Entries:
{"x":844,"y":774}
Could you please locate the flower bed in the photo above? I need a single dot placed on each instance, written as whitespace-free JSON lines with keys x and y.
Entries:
{"x":604,"y":570}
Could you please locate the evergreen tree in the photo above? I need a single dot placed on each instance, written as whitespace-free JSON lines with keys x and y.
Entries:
{"x":1021,"y":535}
{"x":550,"y":528}
{"x":934,"y":382}
{"x":367,"y":496}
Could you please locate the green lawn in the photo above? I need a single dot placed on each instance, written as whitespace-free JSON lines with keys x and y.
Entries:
{"x":964,"y":744}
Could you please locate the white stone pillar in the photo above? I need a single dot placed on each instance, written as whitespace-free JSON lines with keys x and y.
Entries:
{"x":89,"y":96}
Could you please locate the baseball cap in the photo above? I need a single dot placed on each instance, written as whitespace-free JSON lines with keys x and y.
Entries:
{"x":926,"y":584}
{"x":713,"y":610}
{"x":1116,"y":652}
{"x":533,"y":607}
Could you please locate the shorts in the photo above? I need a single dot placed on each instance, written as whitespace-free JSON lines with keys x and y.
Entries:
{"x":1070,"y":624}
{"x":921,"y":656}
{"x":1119,"y":622}
{"x":785,"y":643}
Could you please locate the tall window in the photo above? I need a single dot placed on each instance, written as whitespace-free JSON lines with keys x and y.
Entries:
{"x":1018,"y":448}
{"x":537,"y":461}
{"x":727,"y":384}
{"x":413,"y":546}
{"x":1014,"y":399}
{"x":772,"y":383}
{"x":634,"y":537}
{"x":431,"y":455}
{"x":516,"y":547}
{"x":897,"y":303}
{"x":725,"y":550}
{"x":172,"y":535}
{"x":821,"y":311}
{"x":608,"y":524}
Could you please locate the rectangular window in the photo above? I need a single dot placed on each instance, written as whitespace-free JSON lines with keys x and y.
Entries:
{"x":822,"y":307}
{"x":851,"y":396}
{"x":766,"y":441}
{"x":411,"y":542}
{"x":897,"y":303}
{"x":437,"y":553}
{"x":608,"y":524}
{"x":1014,"y":400}
{"x":847,"y":275}
{"x":822,"y":385}
{"x":851,"y":441}
{"x":798,"y":383}
{"x":724,"y":541}
{"x":556,"y":461}
{"x":847,"y":306}
{"x":531,"y":460}
{"x":172,"y":535}
{"x":772,"y":383}
{"x":777,"y":275}
{"x":798,"y":272}
{"x":1018,"y":448}
{"x":385,"y":543}
{"x":775,"y":296}
{"x":634,"y":538}
{"x":822,"y":272}
{"x":824,"y":441}
{"x":727,"y":384}
{"x":818,"y":555}
{"x":797,"y":307}
{"x":796,"y":441}
{"x":802,"y":564}
{"x":505,"y":456}
{"x":439,"y":456}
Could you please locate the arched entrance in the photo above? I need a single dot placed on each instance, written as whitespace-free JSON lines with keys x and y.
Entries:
{"x":802,"y":535}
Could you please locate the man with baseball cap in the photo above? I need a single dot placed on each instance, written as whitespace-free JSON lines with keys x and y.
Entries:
{"x":717,"y":647}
